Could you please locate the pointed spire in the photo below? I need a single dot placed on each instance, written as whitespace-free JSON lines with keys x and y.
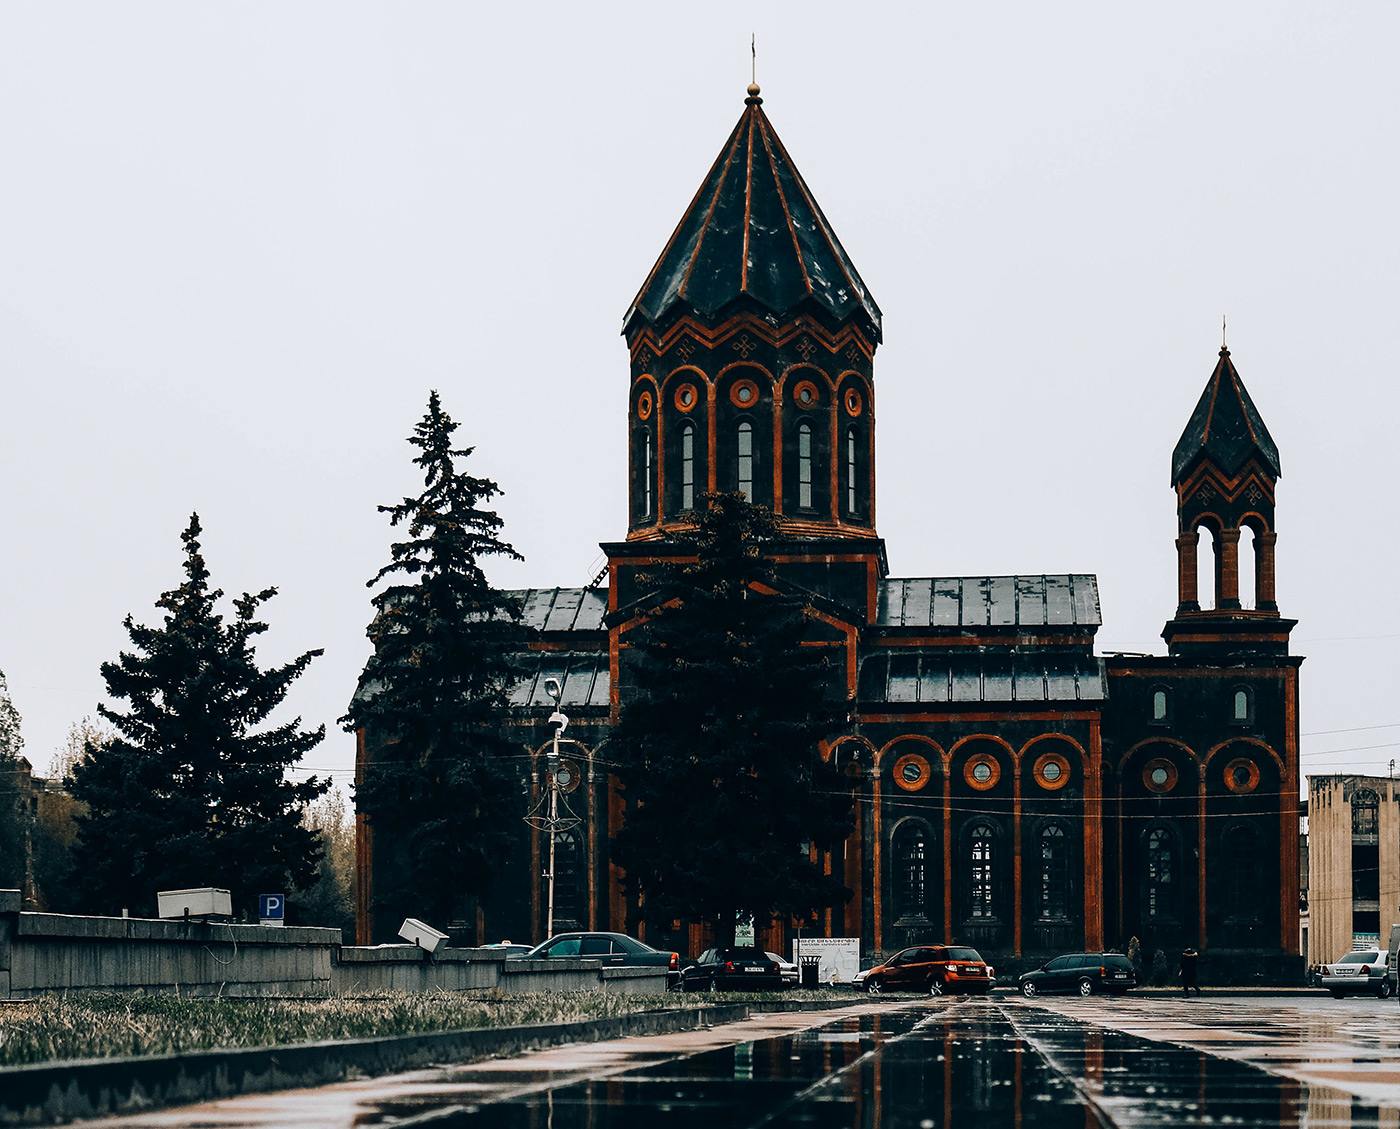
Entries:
{"x":755,"y":231}
{"x":1225,"y":427}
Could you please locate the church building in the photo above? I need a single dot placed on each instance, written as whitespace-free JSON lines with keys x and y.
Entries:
{"x":1015,"y":791}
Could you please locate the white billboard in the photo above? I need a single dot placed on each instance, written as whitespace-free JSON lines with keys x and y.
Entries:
{"x":840,"y":957}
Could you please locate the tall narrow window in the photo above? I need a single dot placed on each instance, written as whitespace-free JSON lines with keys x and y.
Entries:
{"x":746,"y":460}
{"x":982,"y":873}
{"x":688,"y":467}
{"x":911,"y":859}
{"x":804,"y":466}
{"x":1365,"y":806}
{"x":1159,"y":705}
{"x":1054,"y":874}
{"x":566,"y":877}
{"x":851,"y":471}
{"x":1241,"y":705}
{"x":646,"y":474}
{"x":1160,"y":876}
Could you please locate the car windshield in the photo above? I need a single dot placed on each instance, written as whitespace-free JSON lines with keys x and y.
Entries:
{"x":1360,"y":958}
{"x":964,"y":954}
{"x":776,"y":958}
{"x":746,"y":953}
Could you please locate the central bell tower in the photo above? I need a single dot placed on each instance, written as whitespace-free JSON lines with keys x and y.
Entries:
{"x":752,"y":343}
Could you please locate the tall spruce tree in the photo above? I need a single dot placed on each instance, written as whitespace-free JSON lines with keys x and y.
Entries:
{"x":193,"y":789}
{"x":440,"y":790}
{"x":718,"y":752}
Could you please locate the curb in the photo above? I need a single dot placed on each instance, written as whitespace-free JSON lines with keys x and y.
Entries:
{"x":53,"y":1092}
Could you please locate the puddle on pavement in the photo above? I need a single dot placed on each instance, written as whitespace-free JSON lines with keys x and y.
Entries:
{"x":935,"y":1067}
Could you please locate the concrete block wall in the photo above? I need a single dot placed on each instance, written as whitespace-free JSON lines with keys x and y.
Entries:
{"x":44,"y":952}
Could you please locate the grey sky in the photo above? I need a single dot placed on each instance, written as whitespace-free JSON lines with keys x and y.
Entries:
{"x":240,"y":243}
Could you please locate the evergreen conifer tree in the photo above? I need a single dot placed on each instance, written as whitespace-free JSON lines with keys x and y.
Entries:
{"x":440,"y":791}
{"x":193,"y":789}
{"x":718,"y":751}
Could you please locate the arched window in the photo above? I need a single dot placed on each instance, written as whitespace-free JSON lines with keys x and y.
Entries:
{"x":1242,"y":705}
{"x":1242,"y":870}
{"x":688,"y":467}
{"x":646,"y":474}
{"x":1159,"y":705}
{"x":983,"y":840}
{"x":745,"y":451}
{"x":1248,"y":568}
{"x":1161,"y":874}
{"x":851,"y":470}
{"x":1054,"y":873}
{"x":1207,"y":567}
{"x":804,"y":466}
{"x":911,"y":871}
{"x":1365,"y":808}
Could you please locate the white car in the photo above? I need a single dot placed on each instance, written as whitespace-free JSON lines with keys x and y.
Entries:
{"x":1363,"y":970}
{"x":786,"y":967}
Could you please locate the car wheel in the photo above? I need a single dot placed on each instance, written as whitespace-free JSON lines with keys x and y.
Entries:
{"x":873,"y":987}
{"x":1383,"y":992}
{"x":1028,"y":989}
{"x":1086,"y":987}
{"x":935,"y":987}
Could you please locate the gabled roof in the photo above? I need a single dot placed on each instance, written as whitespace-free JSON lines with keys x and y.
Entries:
{"x":754,"y":230}
{"x":990,"y":601}
{"x":1225,"y":427}
{"x":562,"y":609}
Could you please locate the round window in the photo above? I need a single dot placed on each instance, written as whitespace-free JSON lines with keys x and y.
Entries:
{"x":911,"y":772}
{"x":687,"y":397}
{"x":1051,"y":771}
{"x":853,"y":402}
{"x":564,"y":776}
{"x":743,"y":394}
{"x":1159,"y":775}
{"x":644,"y":406}
{"x":1242,"y":775}
{"x":806,"y":394}
{"x":982,"y":771}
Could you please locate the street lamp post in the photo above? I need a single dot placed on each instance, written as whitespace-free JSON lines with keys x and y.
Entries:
{"x":550,"y":822}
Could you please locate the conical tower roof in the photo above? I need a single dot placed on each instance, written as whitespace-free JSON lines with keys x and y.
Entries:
{"x":1225,"y":427}
{"x":754,"y":230}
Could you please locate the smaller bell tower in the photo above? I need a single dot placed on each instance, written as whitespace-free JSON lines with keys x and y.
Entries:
{"x":1225,"y":471}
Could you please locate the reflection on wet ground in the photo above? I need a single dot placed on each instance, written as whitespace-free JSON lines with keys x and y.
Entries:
{"x":960,"y":1063}
{"x":964,"y":1064}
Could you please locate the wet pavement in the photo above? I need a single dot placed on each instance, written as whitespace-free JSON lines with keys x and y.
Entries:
{"x":959,"y":1063}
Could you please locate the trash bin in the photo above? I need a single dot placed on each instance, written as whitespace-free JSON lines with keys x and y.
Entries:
{"x":811,"y":971}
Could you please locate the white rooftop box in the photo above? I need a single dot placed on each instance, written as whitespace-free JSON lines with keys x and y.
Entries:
{"x":421,"y":934}
{"x":203,"y":902}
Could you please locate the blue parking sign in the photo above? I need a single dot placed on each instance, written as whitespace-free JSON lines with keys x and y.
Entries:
{"x":271,"y":908}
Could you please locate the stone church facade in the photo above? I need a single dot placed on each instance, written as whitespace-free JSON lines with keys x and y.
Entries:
{"x":1015,"y":791}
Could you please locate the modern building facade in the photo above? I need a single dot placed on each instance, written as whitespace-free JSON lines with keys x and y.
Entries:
{"x":1353,"y":863}
{"x":1016,"y":791}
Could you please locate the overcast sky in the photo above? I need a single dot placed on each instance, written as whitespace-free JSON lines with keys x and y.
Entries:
{"x":239,"y":243}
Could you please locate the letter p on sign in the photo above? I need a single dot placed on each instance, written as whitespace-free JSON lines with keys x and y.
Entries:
{"x":271,"y":908}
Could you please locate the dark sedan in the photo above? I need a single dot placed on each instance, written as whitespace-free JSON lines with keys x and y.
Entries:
{"x":1084,"y":973}
{"x":613,"y":949}
{"x":738,"y":969}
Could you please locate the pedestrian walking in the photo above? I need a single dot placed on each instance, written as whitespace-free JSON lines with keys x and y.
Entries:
{"x":1188,"y":971}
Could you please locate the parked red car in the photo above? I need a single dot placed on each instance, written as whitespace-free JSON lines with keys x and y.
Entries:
{"x":936,"y":969}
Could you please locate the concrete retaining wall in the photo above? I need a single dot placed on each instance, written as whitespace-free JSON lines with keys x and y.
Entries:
{"x":44,"y":952}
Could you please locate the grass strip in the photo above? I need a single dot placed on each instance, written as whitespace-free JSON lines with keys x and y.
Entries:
{"x":102,"y":1025}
